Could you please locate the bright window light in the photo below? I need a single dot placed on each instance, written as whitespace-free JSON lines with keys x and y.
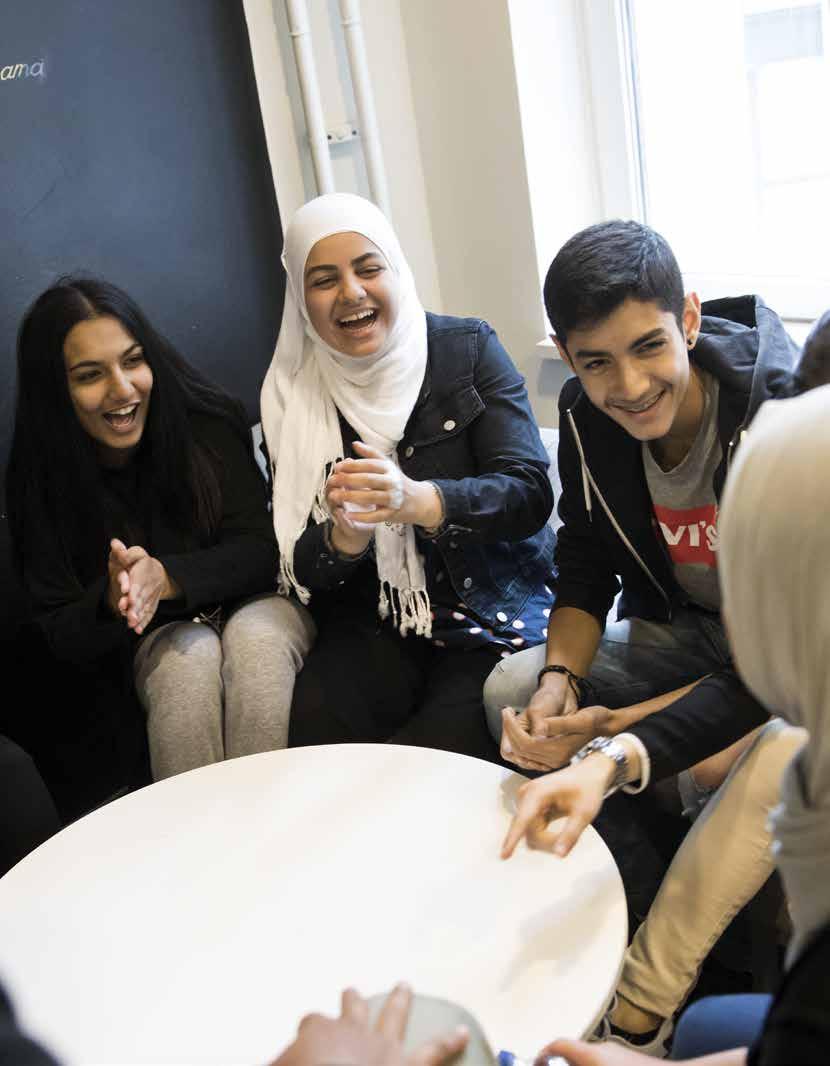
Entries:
{"x":732,"y":103}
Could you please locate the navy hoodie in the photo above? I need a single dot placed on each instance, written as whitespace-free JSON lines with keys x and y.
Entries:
{"x":610,"y":537}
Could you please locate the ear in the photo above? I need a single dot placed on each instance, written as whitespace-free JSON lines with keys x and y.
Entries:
{"x":563,"y":351}
{"x":691,"y":318}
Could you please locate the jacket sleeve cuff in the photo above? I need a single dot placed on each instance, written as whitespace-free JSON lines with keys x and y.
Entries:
{"x":633,"y":787}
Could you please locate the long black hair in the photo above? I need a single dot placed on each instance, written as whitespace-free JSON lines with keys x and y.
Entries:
{"x":54,"y":474}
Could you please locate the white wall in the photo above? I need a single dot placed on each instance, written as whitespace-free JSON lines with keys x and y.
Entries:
{"x":285,"y":125}
{"x":478,"y":215}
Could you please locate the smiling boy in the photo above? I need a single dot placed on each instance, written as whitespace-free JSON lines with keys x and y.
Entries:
{"x":663,"y":390}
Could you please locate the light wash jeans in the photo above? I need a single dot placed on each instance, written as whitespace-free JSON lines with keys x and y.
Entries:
{"x":635,"y":661}
{"x":210,"y":698}
{"x":724,"y":860}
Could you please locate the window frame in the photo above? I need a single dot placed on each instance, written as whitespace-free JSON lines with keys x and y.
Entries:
{"x":612,"y":70}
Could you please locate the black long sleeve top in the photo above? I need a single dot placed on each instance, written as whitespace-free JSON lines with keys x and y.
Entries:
{"x":239,"y":561}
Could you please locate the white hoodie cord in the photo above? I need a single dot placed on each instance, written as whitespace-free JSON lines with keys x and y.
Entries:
{"x":588,"y":480}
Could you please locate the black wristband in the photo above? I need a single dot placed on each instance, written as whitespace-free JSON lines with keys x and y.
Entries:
{"x":578,"y":684}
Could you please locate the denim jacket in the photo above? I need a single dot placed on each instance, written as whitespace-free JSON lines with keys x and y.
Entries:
{"x":472,"y":433}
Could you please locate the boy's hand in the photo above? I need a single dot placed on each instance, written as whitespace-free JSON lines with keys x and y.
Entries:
{"x":556,"y":741}
{"x":553,"y":698}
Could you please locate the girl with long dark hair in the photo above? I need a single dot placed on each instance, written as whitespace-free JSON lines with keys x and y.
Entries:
{"x":140,"y":527}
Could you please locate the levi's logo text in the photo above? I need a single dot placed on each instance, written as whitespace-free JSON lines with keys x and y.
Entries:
{"x":691,"y":536}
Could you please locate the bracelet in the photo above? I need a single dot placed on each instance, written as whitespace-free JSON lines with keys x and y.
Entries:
{"x":577,"y":684}
{"x":435,"y":531}
{"x":613,"y":750}
{"x":328,"y":528}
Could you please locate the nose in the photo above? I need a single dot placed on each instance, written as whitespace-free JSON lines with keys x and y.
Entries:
{"x":121,"y":387}
{"x":632,"y":384}
{"x":352,"y":289}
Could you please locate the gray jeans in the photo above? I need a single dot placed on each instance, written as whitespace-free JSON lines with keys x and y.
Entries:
{"x":636,"y":660}
{"x":210,"y":698}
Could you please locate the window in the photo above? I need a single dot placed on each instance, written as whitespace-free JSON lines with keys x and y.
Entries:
{"x":720,"y":108}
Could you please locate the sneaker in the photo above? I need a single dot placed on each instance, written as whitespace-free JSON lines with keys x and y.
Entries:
{"x":655,"y":1044}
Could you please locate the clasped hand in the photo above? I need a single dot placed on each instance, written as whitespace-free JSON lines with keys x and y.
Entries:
{"x":536,"y":742}
{"x":376,"y":490}
{"x":137,"y":582}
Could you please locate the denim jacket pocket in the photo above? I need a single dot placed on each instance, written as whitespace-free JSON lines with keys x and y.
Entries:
{"x":446,"y":418}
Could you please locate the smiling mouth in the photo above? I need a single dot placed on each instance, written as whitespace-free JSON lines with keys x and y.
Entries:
{"x":639,"y":408}
{"x":359,"y":320}
{"x":123,"y":417}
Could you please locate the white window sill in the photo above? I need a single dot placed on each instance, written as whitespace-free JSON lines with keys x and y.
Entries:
{"x":548,"y":350}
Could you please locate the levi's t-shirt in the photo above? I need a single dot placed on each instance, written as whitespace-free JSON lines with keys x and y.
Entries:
{"x":686,"y":507}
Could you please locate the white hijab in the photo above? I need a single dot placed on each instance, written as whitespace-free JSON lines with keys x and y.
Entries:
{"x":309,"y":381}
{"x":774,"y":553}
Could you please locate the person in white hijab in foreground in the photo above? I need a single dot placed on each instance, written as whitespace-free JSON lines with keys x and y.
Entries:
{"x":410,"y":491}
{"x":775,"y":579}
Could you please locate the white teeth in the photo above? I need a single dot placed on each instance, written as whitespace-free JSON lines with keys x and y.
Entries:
{"x":124,"y":410}
{"x":358,"y":315}
{"x":640,"y":407}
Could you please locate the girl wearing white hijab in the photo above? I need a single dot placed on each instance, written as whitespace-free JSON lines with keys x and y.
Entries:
{"x":410,"y":490}
{"x":774,"y":546}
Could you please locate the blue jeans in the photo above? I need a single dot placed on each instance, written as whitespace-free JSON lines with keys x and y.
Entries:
{"x":719,"y":1023}
{"x":636,"y":660}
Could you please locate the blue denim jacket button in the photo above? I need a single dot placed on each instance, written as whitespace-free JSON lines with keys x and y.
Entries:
{"x":468,"y":582}
{"x":449,"y":425}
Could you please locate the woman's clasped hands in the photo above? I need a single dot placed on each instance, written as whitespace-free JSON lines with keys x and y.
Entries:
{"x":137,"y":583}
{"x":362,"y":493}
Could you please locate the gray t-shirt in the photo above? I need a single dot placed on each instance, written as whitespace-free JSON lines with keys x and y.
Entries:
{"x":686,"y":507}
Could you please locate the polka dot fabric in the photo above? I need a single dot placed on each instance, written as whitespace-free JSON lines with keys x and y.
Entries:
{"x":454,"y":625}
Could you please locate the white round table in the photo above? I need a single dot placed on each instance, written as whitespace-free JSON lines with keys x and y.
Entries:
{"x":197,"y":920}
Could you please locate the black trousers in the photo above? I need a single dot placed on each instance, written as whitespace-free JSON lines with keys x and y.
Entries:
{"x":363,"y":682}
{"x":27,"y":812}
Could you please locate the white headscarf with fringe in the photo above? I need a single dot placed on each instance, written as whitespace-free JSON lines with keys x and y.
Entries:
{"x":309,"y":381}
{"x":774,"y":565}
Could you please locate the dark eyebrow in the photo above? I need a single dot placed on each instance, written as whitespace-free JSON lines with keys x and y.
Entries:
{"x":355,"y":262}
{"x":366,"y":255}
{"x":593,"y":353}
{"x":313,"y":270}
{"x":650,"y":336}
{"x":92,"y":362}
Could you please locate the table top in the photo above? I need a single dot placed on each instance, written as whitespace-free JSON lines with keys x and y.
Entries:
{"x":198,"y":919}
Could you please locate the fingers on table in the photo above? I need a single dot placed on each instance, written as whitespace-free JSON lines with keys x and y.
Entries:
{"x":394,"y":1014}
{"x":441,"y":1049}
{"x":536,"y":809}
{"x":354,"y":1007}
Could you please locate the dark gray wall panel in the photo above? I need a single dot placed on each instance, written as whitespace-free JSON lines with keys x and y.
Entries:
{"x":139,"y":155}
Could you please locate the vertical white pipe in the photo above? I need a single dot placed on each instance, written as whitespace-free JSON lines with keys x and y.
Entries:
{"x":310,"y":90}
{"x":367,"y":120}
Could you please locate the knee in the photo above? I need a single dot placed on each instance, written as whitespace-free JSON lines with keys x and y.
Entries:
{"x":762,"y":766}
{"x":14,"y":761}
{"x":184,"y":655}
{"x":497,"y":693}
{"x":273,"y":627}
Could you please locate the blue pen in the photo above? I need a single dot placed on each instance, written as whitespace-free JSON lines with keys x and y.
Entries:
{"x":507,"y":1058}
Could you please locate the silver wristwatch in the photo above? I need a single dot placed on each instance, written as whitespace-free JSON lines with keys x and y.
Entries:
{"x":614,"y":750}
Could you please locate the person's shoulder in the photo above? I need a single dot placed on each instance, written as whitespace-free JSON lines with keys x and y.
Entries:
{"x":218,"y":431}
{"x":453,"y":325}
